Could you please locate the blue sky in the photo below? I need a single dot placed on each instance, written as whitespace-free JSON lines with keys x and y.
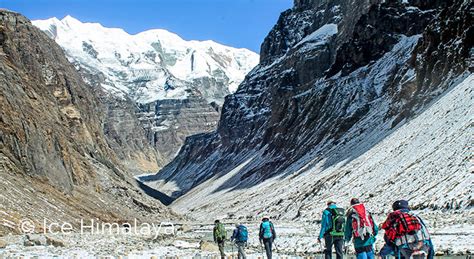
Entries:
{"x":238,"y":23}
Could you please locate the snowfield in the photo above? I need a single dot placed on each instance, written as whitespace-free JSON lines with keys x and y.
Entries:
{"x":151,"y":65}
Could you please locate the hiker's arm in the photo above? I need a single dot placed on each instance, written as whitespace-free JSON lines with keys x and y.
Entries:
{"x":274,"y":234}
{"x":387,"y":223}
{"x":376,"y":228}
{"x":324,"y":225}
{"x":260,"y":232}
{"x":348,"y":229}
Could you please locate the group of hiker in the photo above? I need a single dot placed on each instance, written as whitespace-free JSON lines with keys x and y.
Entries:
{"x":266,"y":236}
{"x":406,"y":235}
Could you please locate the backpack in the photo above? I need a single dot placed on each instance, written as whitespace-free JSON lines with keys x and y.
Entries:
{"x":411,"y":231}
{"x":407,"y":224}
{"x":362,"y":222}
{"x":243,"y":234}
{"x":267,"y":229}
{"x":338,"y":221}
{"x":220,"y":232}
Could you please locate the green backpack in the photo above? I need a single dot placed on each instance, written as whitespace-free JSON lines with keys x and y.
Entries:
{"x":338,"y":220}
{"x":220,"y":232}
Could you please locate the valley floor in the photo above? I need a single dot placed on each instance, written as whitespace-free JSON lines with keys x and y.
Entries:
{"x":295,"y":240}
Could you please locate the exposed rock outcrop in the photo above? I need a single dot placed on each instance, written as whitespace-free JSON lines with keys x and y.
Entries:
{"x":55,"y":160}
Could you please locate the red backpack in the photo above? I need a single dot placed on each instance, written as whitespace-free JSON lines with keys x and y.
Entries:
{"x":362,"y":222}
{"x":407,"y":224}
{"x":401,"y":224}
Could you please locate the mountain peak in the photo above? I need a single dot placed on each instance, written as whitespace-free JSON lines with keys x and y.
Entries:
{"x":68,"y":19}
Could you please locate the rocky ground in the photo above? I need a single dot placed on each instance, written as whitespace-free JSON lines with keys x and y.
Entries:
{"x":295,"y":240}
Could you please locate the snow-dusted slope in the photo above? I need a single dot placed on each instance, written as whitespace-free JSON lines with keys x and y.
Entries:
{"x":381,"y":111}
{"x":426,"y":160}
{"x":151,"y":65}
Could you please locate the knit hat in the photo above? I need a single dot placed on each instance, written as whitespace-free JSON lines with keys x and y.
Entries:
{"x":354,"y":201}
{"x":330,"y":202}
{"x":400,"y":204}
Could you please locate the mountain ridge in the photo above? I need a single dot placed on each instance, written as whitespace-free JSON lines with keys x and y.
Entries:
{"x":55,"y":160}
{"x":155,"y":50}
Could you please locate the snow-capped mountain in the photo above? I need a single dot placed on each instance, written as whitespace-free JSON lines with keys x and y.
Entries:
{"x":151,"y":65}
{"x":176,"y":86}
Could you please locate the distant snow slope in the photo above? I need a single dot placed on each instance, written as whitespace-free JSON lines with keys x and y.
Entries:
{"x":151,"y":65}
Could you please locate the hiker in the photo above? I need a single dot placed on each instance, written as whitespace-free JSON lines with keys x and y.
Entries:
{"x":267,"y":235}
{"x":240,"y":237}
{"x":361,"y":227}
{"x":406,"y":233}
{"x":219,"y":236}
{"x":332,"y":230}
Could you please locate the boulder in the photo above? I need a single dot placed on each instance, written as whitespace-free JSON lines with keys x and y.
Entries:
{"x":55,"y":242}
{"x":3,"y":244}
{"x":35,"y":240}
{"x":206,"y":246}
{"x":185,"y":228}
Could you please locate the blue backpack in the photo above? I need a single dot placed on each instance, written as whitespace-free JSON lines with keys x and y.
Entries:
{"x":243,"y":234}
{"x":267,"y":229}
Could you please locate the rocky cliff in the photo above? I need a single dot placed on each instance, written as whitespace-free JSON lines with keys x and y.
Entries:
{"x":56,"y":162}
{"x":345,"y":96}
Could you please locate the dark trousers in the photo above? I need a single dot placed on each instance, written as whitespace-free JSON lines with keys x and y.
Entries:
{"x":267,"y":242}
{"x":221,"y":246}
{"x":338,"y":243}
{"x":241,"y":250}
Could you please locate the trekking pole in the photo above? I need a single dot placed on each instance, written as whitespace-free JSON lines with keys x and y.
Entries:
{"x":276,"y":247}
{"x":321,"y":247}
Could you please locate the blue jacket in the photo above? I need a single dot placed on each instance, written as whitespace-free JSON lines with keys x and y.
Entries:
{"x":358,"y":242}
{"x":326,"y":223}
{"x":235,"y":234}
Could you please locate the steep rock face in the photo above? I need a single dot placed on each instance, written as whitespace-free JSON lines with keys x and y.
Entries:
{"x":124,"y":132}
{"x":323,"y":98}
{"x":169,"y":122}
{"x":150,"y":71}
{"x":127,"y":137}
{"x":55,"y":160}
{"x":308,"y":16}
